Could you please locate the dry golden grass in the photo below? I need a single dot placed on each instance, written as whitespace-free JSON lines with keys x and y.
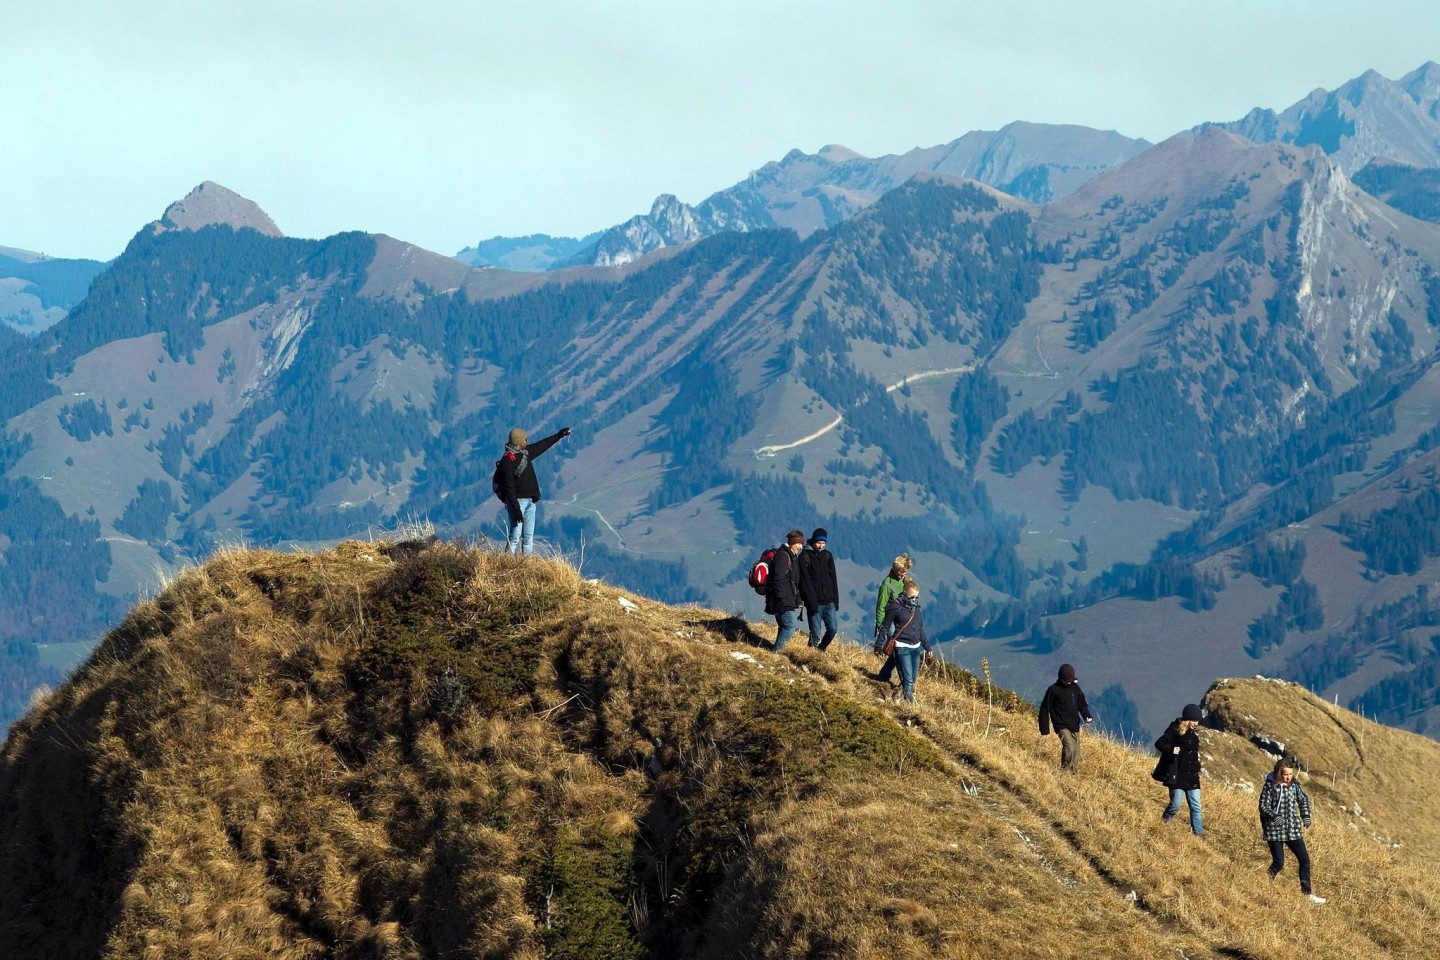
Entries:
{"x":417,"y":750}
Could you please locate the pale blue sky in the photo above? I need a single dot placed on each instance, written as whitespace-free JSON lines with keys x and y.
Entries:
{"x":446,"y":122}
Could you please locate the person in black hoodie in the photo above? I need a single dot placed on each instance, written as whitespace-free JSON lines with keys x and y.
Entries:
{"x":782,"y":589}
{"x":1181,"y":744}
{"x":1064,"y":707}
{"x":819,"y":590}
{"x":517,"y":488}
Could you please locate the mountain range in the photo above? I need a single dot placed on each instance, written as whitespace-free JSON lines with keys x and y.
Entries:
{"x":808,"y":192}
{"x":1368,"y":118}
{"x":1172,"y":424}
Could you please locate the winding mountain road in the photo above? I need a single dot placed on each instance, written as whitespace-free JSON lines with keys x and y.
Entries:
{"x":770,"y":450}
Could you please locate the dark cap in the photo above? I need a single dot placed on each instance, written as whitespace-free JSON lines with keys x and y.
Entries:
{"x":1192,"y":711}
{"x":819,"y":534}
{"x":1067,"y":673}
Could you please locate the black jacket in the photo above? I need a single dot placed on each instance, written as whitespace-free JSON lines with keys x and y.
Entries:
{"x":817,"y":578}
{"x":1185,"y":766}
{"x":1064,"y":706}
{"x":517,"y":475}
{"x":897,"y":614}
{"x":782,"y":590}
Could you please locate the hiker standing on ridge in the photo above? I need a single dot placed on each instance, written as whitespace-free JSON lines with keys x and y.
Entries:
{"x":819,"y":589}
{"x":1284,"y":814}
{"x":517,"y":488}
{"x":1181,"y":744}
{"x":890,"y":588}
{"x":905,"y":633}
{"x":782,"y":589}
{"x":1064,"y":707}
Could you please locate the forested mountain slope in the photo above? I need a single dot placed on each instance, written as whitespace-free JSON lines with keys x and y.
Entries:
{"x":36,"y":290}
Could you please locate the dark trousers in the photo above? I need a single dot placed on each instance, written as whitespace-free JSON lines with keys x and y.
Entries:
{"x":1069,"y":748}
{"x":1302,"y":859}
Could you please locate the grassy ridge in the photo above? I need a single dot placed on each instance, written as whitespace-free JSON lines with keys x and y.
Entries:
{"x":421,"y":750}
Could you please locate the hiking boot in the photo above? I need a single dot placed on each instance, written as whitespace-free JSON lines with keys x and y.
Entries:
{"x":1315,"y":899}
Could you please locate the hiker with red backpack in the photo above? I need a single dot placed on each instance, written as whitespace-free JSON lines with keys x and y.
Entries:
{"x":515,"y":485}
{"x":782,"y":589}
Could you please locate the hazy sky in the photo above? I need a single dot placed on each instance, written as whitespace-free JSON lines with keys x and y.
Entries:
{"x":443,"y":122}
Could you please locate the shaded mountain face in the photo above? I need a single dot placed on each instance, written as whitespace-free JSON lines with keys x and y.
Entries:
{"x":1368,"y":118}
{"x":36,"y":290}
{"x":1100,"y":427}
{"x":809,"y":192}
{"x":1411,"y":190}
{"x":537,"y":251}
{"x":415,"y":750}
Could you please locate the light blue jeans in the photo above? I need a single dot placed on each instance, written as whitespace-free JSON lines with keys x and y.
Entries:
{"x":823,"y":617}
{"x":1192,"y":800}
{"x":786,"y":621}
{"x":522,"y":528}
{"x":908,"y":660}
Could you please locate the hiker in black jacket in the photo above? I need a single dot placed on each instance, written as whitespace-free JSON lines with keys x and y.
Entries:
{"x":1181,"y":744}
{"x":782,"y":589}
{"x":1064,"y":707}
{"x":819,"y":590}
{"x":517,"y":487}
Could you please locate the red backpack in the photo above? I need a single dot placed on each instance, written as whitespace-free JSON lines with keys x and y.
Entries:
{"x":760,"y":571}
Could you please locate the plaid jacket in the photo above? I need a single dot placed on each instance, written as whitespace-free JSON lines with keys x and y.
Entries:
{"x":1283,"y":809}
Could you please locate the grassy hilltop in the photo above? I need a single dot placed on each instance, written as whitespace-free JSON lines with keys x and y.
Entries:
{"x":422,"y":751}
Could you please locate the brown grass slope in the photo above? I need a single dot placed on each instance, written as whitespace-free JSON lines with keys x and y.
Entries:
{"x":422,"y":750}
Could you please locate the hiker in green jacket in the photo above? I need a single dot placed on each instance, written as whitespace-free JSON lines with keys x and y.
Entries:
{"x":890,"y":588}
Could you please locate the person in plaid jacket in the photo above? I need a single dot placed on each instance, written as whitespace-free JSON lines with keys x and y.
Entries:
{"x":1284,"y":815}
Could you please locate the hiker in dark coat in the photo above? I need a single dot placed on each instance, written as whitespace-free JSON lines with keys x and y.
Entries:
{"x":1284,"y":815}
{"x":819,"y":589}
{"x":1064,"y":708}
{"x":1181,"y":744}
{"x":904,"y":627}
{"x":890,"y":588}
{"x":517,"y":487}
{"x":782,"y":589}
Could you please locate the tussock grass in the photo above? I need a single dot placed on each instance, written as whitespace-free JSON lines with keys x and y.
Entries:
{"x":415,"y":749}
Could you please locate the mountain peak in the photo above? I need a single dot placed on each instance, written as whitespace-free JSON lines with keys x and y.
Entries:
{"x":1423,"y":86}
{"x":664,"y":204}
{"x":838,"y":153}
{"x":210,"y":203}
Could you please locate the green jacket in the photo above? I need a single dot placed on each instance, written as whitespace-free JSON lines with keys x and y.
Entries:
{"x":890,"y":588}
